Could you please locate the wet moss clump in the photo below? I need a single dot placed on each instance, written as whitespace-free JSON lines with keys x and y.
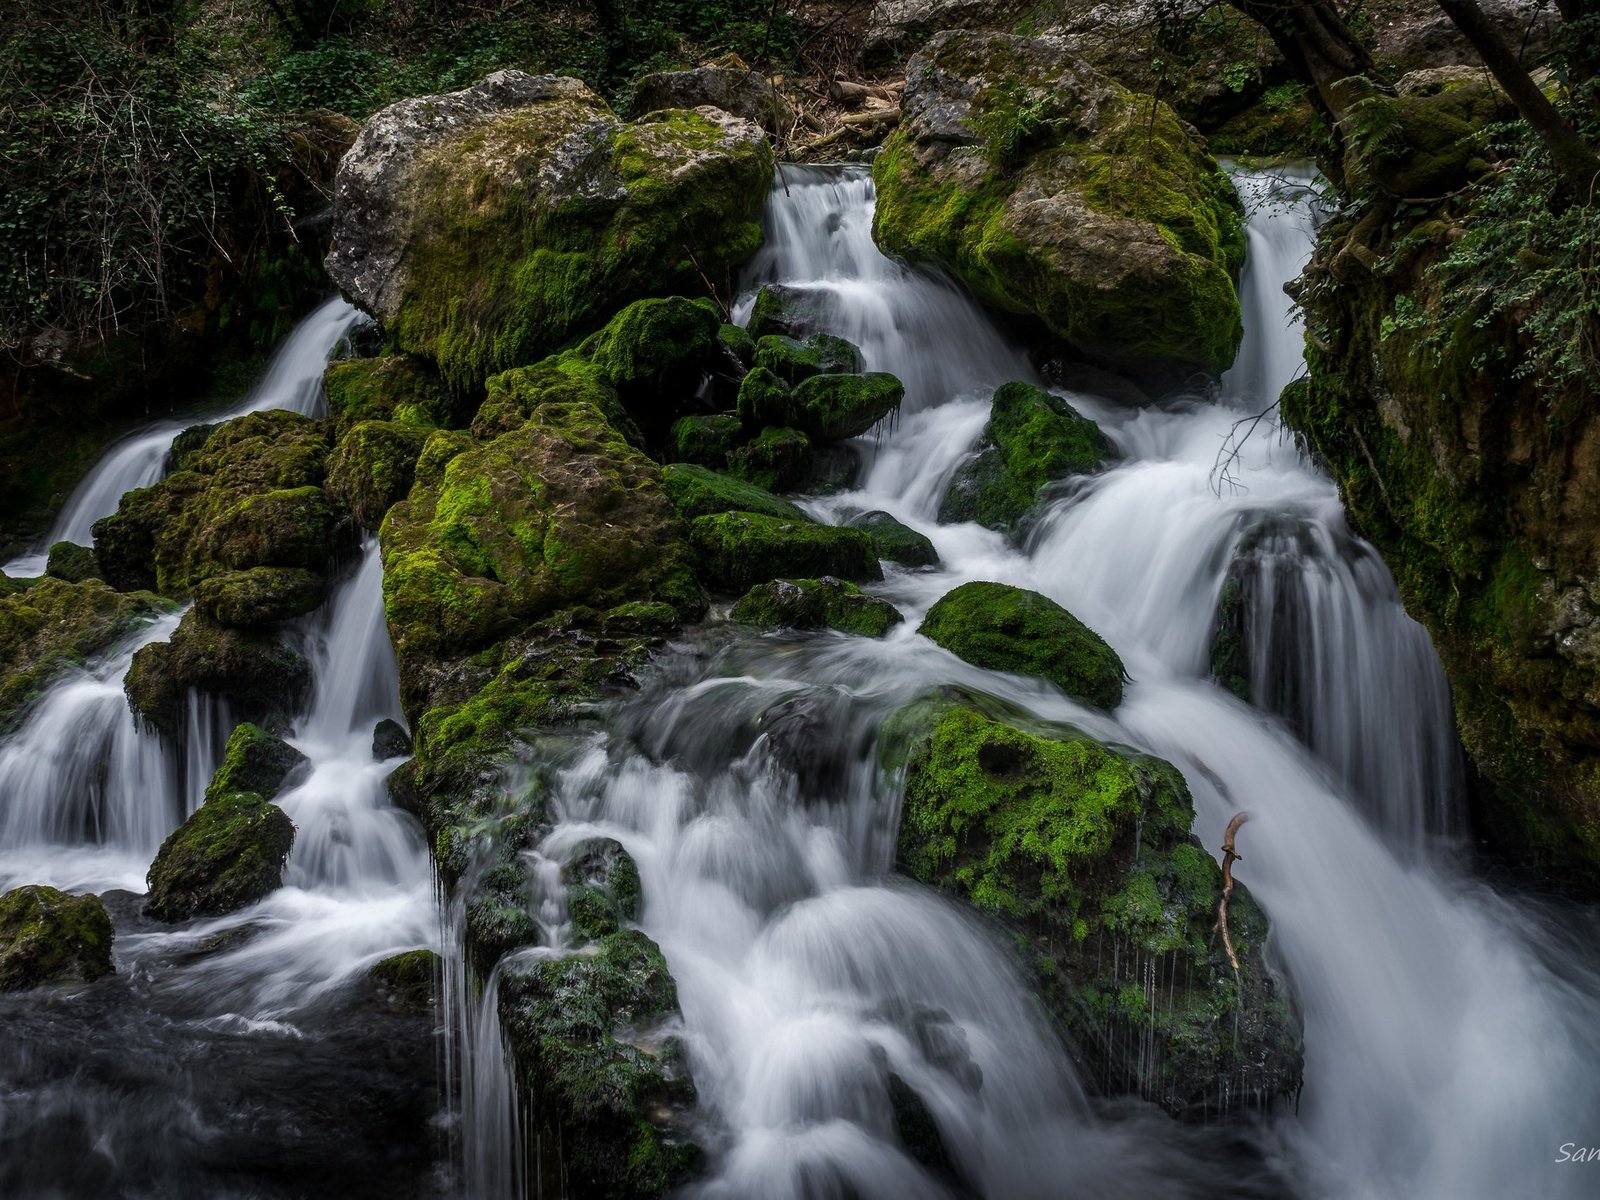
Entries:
{"x":71,"y":563}
{"x":705,"y":441}
{"x":737,"y":550}
{"x":228,"y":855}
{"x":259,"y":595}
{"x":778,"y":459}
{"x":831,"y":408}
{"x":1004,"y":628}
{"x":373,"y":467}
{"x":51,"y":937}
{"x":793,"y":360}
{"x":698,"y":492}
{"x":816,"y":604}
{"x":398,"y":388}
{"x":1033,"y":439}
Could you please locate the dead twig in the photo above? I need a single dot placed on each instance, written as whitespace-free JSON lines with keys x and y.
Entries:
{"x":1229,"y":857}
{"x":706,"y":279}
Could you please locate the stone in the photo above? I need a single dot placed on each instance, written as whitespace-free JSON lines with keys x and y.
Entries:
{"x":895,"y":542}
{"x":50,"y":937}
{"x":825,"y":603}
{"x":258,"y":762}
{"x":228,"y":855}
{"x":390,"y":740}
{"x":743,"y":93}
{"x":738,"y":550}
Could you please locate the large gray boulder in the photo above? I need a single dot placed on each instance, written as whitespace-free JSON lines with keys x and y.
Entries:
{"x":737,"y":90}
{"x":487,"y":227}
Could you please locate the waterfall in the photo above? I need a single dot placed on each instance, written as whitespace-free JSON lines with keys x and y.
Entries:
{"x":293,"y":381}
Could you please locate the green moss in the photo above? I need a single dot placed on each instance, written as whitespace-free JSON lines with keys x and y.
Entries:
{"x":1033,"y":438}
{"x":698,"y":492}
{"x":71,"y":563}
{"x":255,"y":761}
{"x":895,"y":542}
{"x":737,"y":343}
{"x":406,"y":981}
{"x":398,"y":388}
{"x":50,"y":937}
{"x":819,"y":354}
{"x":259,"y":595}
{"x":763,"y":399}
{"x":785,"y":312}
{"x":651,"y":341}
{"x":816,"y":604}
{"x":778,"y":459}
{"x":229,"y":854}
{"x":738,"y":550}
{"x":705,"y":441}
{"x":603,"y":889}
{"x":1003,"y":628}
{"x":833,"y":407}
{"x":373,"y":467}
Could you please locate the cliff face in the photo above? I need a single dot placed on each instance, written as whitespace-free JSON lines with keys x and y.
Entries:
{"x":1480,"y":484}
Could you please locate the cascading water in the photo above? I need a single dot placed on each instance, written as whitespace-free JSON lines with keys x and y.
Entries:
{"x":1449,"y":1034}
{"x":293,"y":381}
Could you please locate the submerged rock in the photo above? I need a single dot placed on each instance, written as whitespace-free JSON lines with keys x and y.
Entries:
{"x":485,"y":227}
{"x":825,"y":603}
{"x":1086,"y":854}
{"x":1054,"y":192}
{"x":256,"y":761}
{"x":1004,"y":628}
{"x":895,"y":542}
{"x":229,"y":854}
{"x":1033,"y":439}
{"x":738,"y":550}
{"x":48,"y":936}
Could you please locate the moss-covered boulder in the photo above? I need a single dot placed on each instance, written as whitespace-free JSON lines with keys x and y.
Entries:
{"x":255,"y":761}
{"x":229,"y":854}
{"x":895,"y":542}
{"x":732,"y":88}
{"x":1086,"y":853}
{"x":259,"y":595}
{"x":787,"y":311}
{"x":763,"y":398}
{"x":698,"y":492}
{"x":820,"y":354}
{"x":655,"y":350}
{"x":778,"y":458}
{"x":259,"y":673}
{"x":738,"y":550}
{"x":486,"y":227}
{"x":569,"y":377}
{"x":1005,"y":628}
{"x":399,"y":388}
{"x":52,"y":625}
{"x":602,"y":888}
{"x":249,"y":496}
{"x":48,"y":936}
{"x":373,"y":467}
{"x":1054,"y":192}
{"x":71,"y":563}
{"x":824,"y":603}
{"x":705,"y":441}
{"x":830,"y":408}
{"x":607,"y":1102}
{"x":407,"y":982}
{"x":1033,"y":438}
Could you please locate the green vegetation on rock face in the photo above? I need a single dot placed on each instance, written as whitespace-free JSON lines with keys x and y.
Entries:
{"x":71,"y":563}
{"x":254,"y":761}
{"x":705,"y":441}
{"x":650,"y":341}
{"x":406,"y":981}
{"x":373,"y":467}
{"x":1004,"y":628}
{"x":1053,"y":192}
{"x":576,"y":1024}
{"x":1086,"y":854}
{"x":259,"y":595}
{"x":819,"y":354}
{"x":833,"y":407}
{"x":53,"y":625}
{"x":398,"y":388}
{"x":1033,"y":438}
{"x":229,"y":854}
{"x":816,"y":604}
{"x":738,"y":550}
{"x":47,"y":936}
{"x":698,"y":492}
{"x":778,"y":459}
{"x":895,"y":542}
{"x":603,"y":888}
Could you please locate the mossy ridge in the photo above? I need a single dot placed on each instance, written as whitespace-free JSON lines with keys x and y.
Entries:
{"x":51,"y":937}
{"x":229,"y":854}
{"x":397,"y":387}
{"x":697,"y":492}
{"x":52,"y":625}
{"x":738,"y":550}
{"x":825,"y":603}
{"x":1004,"y":628}
{"x":502,"y":275}
{"x":259,"y":595}
{"x":1085,"y":852}
{"x":1033,"y":439}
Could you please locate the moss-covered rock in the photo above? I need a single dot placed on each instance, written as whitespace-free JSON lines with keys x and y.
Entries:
{"x":249,"y":496}
{"x":260,"y":674}
{"x":833,"y":407}
{"x":229,"y":854}
{"x":1052,"y":191}
{"x":606,"y":1106}
{"x":895,"y":542}
{"x":1086,"y":853}
{"x":71,"y":563}
{"x":741,"y":549}
{"x":705,"y":441}
{"x":373,"y":467}
{"x":820,"y":354}
{"x":778,"y":459}
{"x":255,"y":761}
{"x":259,"y":595}
{"x":407,"y":981}
{"x":48,"y":936}
{"x":786,"y":311}
{"x":655,"y":350}
{"x":52,"y":625}
{"x":486,"y":227}
{"x":1033,"y":438}
{"x":569,"y":377}
{"x":603,"y":888}
{"x":824,"y":603}
{"x":1004,"y":628}
{"x":763,"y":399}
{"x":398,"y":388}
{"x":698,"y":492}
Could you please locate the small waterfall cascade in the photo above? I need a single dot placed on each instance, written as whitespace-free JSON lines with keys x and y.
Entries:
{"x":1449,"y":1031}
{"x":293,"y":381}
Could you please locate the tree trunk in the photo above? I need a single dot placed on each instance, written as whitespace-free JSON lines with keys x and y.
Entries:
{"x":1320,"y":50}
{"x":1573,"y":158}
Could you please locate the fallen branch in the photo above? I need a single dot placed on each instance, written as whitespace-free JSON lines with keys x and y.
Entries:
{"x":710,"y":287}
{"x":1229,"y":857}
{"x":876,"y":116}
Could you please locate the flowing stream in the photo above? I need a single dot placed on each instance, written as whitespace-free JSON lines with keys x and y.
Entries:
{"x":1451,"y":1033}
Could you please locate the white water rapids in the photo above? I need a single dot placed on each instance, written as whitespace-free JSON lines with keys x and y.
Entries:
{"x":1451,"y":1042}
